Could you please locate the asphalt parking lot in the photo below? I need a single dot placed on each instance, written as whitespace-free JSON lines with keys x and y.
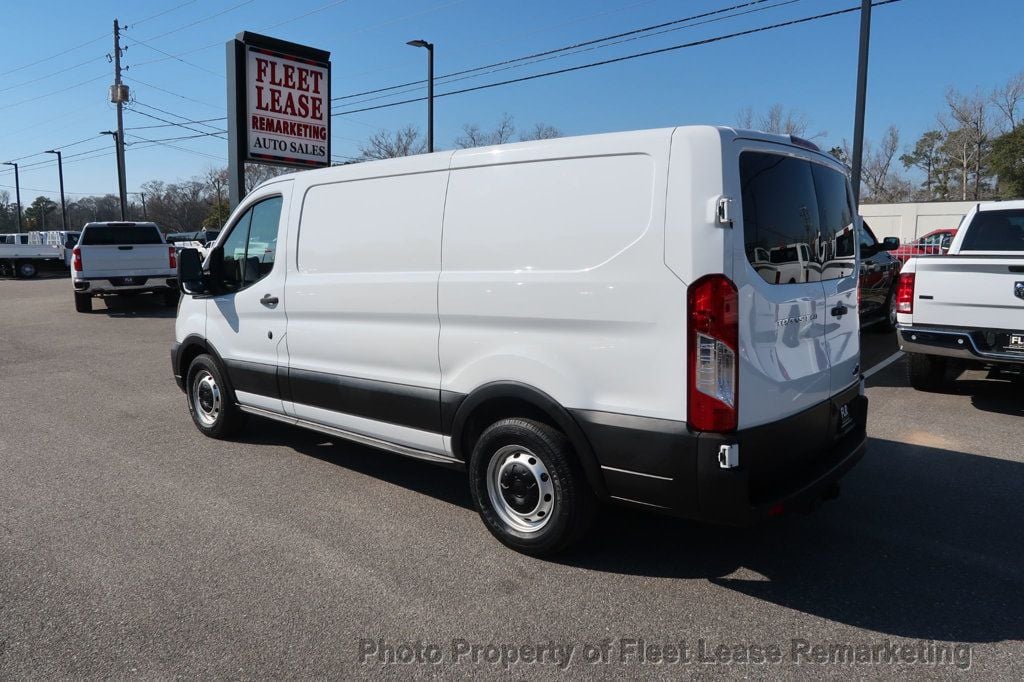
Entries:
{"x":132,"y":546}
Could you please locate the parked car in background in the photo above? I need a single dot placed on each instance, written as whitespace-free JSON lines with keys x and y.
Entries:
{"x":879,"y":274}
{"x":934,"y":243}
{"x":25,"y":254}
{"x":123,"y":258}
{"x":966,"y":308}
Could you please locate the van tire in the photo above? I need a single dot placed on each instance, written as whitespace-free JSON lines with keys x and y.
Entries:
{"x":217,"y":415}
{"x":926,"y":372}
{"x":83,"y":303}
{"x":546,"y":456}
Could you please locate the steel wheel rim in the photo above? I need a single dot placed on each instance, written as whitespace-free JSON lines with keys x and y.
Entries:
{"x":892,"y":310}
{"x":519,"y":488}
{"x":206,"y":398}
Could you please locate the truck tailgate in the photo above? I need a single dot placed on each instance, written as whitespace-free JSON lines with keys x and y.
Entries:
{"x":125,"y":260}
{"x":973,"y":291}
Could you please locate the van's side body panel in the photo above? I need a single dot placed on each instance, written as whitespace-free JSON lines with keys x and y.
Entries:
{"x":553,"y":274}
{"x":362,"y":288}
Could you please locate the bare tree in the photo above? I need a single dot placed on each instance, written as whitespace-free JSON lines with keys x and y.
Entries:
{"x":258,"y":173}
{"x":474,"y":136}
{"x":541,"y":131}
{"x":883,"y":184}
{"x":778,"y":120}
{"x":1009,"y":99}
{"x":969,"y":131}
{"x":387,"y":145}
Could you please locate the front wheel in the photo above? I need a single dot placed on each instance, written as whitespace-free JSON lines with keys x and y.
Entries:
{"x":926,"y":372}
{"x":529,"y":488}
{"x":209,"y":400}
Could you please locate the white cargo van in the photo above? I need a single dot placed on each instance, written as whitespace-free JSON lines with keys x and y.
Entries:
{"x":570,"y":320}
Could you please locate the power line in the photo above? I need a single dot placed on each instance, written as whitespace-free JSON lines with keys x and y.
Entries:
{"x":32,"y":81}
{"x":166,"y":11}
{"x":54,"y":92}
{"x":167,"y":125}
{"x":557,"y":50}
{"x":202,"y":20}
{"x":169,"y":92}
{"x":165,"y":143}
{"x":637,"y":55}
{"x":588,"y":46}
{"x":136,"y":41}
{"x":185,"y":119}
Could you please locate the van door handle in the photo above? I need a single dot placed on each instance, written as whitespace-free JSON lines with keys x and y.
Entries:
{"x":268,"y":300}
{"x":840,"y":310}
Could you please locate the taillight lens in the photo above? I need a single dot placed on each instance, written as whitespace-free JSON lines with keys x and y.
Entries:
{"x":713,"y":310}
{"x":172,"y":258}
{"x":76,"y":259}
{"x":905,"y":293}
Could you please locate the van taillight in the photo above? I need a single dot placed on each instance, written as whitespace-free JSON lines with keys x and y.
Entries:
{"x":172,"y":258}
{"x":76,"y":259}
{"x":905,"y":293}
{"x":712,"y":391}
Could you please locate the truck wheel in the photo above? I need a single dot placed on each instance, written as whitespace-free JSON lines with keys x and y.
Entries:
{"x":27,"y":270}
{"x":926,"y":372}
{"x":529,"y":488}
{"x":83,"y":303}
{"x":210,"y":400}
{"x":170,"y":297}
{"x":888,"y":323}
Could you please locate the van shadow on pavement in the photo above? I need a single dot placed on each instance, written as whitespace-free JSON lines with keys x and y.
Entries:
{"x":923,"y":543}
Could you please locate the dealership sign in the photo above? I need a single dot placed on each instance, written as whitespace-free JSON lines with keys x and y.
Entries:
{"x":279,"y":100}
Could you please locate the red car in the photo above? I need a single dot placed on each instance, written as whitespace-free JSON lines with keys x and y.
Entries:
{"x":935,"y":243}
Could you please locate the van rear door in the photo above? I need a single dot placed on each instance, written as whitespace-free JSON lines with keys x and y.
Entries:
{"x":784,"y":358}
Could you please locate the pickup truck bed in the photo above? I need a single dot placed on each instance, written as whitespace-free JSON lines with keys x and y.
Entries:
{"x":966,"y":307}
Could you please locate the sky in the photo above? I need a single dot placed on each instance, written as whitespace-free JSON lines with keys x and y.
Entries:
{"x":53,"y":82}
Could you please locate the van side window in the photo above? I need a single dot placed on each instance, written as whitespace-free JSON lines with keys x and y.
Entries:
{"x":250,"y":248}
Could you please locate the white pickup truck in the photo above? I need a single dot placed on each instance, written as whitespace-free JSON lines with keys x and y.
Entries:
{"x":23,"y":255}
{"x":966,"y":308}
{"x":123,"y":258}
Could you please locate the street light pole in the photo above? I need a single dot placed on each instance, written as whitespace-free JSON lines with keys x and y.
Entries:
{"x":862,"y":92}
{"x":120,"y":171}
{"x":60,"y":174}
{"x":430,"y":89}
{"x":17,"y":190}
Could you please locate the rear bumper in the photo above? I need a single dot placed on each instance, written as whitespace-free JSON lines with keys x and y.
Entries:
{"x":964,"y":344}
{"x":116,"y":285}
{"x":785,"y":466}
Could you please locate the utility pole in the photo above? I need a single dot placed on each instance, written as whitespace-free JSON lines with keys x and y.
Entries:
{"x":60,"y":174}
{"x":17,"y":190}
{"x":862,"y":92}
{"x":119,"y":95}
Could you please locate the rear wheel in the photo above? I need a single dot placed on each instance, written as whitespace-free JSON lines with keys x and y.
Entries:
{"x":210,"y":400}
{"x":926,"y":372}
{"x":888,"y":323}
{"x":83,"y":303}
{"x":27,"y":270}
{"x":529,"y":488}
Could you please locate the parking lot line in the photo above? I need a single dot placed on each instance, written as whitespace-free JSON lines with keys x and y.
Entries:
{"x":883,"y":364}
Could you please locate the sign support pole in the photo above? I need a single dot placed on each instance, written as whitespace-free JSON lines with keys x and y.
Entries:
{"x":236,"y":166}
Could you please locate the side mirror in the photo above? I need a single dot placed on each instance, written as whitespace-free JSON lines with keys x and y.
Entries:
{"x":889,"y":244}
{"x":191,"y":279}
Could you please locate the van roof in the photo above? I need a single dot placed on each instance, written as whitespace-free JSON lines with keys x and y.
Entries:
{"x":736,"y":133}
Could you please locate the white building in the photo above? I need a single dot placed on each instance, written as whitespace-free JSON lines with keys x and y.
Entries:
{"x":910,"y":221}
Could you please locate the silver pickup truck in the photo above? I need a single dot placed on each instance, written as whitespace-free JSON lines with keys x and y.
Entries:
{"x":123,"y":258}
{"x":966,"y":308}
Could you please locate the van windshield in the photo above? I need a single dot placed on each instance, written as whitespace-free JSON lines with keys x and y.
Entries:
{"x":801,"y":213}
{"x":109,"y":235}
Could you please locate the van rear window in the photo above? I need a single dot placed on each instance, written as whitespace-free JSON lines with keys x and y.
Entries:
{"x":995,"y":231}
{"x":800,"y":214}
{"x":110,"y":235}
